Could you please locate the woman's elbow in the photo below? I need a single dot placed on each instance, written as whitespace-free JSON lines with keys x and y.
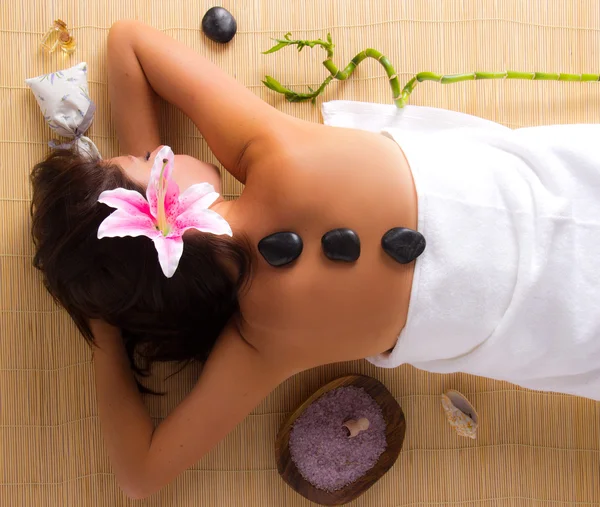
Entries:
{"x":121,"y":32}
{"x":123,"y":27}
{"x":138,"y":488}
{"x":135,"y":495}
{"x":136,"y":491}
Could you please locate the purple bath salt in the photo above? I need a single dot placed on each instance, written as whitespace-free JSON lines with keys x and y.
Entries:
{"x":319,"y":443}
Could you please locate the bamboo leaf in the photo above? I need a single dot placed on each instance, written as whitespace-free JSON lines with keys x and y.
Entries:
{"x":276,"y":47}
{"x":268,"y":85}
{"x":274,"y":85}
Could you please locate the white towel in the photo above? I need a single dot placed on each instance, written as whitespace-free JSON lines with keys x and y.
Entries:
{"x":377,"y":117}
{"x":509,"y":285}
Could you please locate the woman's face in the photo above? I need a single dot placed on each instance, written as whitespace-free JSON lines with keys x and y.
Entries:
{"x":186,"y":172}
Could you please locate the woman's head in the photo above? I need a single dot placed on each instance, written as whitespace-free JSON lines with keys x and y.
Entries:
{"x":119,"y":280}
{"x":187,"y":170}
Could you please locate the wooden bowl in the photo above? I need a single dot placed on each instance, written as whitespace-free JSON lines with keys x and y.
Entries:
{"x":394,"y":433}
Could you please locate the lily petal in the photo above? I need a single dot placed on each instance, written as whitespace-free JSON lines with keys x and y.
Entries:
{"x":129,"y":201}
{"x":172,"y":209}
{"x":120,"y":224}
{"x":200,"y":195}
{"x":204,"y":221}
{"x":169,"y":251}
{"x":165,"y":153}
{"x":171,"y":200}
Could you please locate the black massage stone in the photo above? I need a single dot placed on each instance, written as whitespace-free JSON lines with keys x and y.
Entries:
{"x":341,"y":245}
{"x":280,"y":248}
{"x":403,"y":245}
{"x":219,"y":25}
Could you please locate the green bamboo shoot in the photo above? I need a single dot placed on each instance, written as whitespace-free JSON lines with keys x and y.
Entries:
{"x":399,"y":95}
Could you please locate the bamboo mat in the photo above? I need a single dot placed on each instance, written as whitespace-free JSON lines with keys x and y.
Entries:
{"x":534,"y":449}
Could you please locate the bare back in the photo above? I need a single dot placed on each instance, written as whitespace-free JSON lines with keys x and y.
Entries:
{"x":299,"y":177}
{"x":317,"y":311}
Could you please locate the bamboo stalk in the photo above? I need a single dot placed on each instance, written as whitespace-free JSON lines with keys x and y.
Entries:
{"x":400,"y":97}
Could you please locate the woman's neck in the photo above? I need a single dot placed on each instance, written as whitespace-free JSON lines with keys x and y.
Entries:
{"x":228,"y":210}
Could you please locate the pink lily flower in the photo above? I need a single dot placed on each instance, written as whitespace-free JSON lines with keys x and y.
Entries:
{"x":164,"y":215}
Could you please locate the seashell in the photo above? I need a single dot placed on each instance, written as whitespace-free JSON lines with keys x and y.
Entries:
{"x":460,"y":414}
{"x":355,"y":427}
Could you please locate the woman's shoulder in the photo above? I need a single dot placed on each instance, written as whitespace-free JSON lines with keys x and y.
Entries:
{"x":304,"y":153}
{"x":319,"y":173}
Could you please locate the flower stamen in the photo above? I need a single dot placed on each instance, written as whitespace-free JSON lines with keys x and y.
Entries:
{"x":163,"y":225}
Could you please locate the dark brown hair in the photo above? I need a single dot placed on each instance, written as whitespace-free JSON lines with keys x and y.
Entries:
{"x":119,"y":280}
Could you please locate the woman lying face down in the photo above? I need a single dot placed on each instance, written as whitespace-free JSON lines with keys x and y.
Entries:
{"x":322,"y":259}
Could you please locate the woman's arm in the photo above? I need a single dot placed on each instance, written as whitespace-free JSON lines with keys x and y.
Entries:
{"x":235,"y":122}
{"x":134,"y":104}
{"x":233,"y":381}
